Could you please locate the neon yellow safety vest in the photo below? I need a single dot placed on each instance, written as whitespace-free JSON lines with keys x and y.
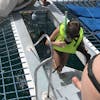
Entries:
{"x":71,"y":47}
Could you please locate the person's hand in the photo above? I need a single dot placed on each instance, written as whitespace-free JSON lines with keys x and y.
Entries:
{"x":60,"y":43}
{"x":76,"y":82}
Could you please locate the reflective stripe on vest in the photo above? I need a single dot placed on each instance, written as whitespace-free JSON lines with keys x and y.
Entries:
{"x":71,"y":47}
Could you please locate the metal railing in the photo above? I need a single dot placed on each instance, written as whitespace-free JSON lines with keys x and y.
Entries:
{"x":49,"y":59}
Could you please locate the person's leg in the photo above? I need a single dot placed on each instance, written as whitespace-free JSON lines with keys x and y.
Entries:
{"x":82,"y":49}
{"x":64,"y":59}
{"x":60,"y":59}
{"x":56,"y":59}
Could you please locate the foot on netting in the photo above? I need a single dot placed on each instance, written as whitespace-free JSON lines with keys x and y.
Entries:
{"x":58,"y":69}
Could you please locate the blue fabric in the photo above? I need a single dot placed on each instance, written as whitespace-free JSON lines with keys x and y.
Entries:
{"x":91,"y":23}
{"x":98,"y":35}
{"x":84,"y":11}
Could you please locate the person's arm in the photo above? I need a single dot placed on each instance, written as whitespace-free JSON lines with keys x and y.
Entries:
{"x":52,"y":38}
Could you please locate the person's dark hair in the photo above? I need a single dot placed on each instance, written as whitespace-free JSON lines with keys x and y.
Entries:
{"x":73,"y":29}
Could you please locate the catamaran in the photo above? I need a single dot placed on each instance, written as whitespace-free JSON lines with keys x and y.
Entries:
{"x":26,"y":62}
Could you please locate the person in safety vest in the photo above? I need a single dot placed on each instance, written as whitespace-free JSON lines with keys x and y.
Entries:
{"x":67,"y":39}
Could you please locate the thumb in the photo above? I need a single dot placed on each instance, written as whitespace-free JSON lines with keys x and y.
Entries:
{"x":76,"y":82}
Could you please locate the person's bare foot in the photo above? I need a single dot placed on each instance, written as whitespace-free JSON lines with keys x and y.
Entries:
{"x":58,"y":69}
{"x":45,"y":2}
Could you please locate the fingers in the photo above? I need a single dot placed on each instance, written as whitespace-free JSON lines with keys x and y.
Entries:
{"x":62,"y":44}
{"x":76,"y":82}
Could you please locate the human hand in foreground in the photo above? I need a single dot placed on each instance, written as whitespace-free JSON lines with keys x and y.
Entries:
{"x":76,"y":82}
